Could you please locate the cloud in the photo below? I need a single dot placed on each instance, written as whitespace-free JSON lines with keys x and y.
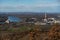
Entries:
{"x":29,"y":6}
{"x":48,"y":5}
{"x":36,"y":7}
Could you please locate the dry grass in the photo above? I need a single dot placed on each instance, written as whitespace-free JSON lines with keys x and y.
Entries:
{"x":54,"y":33}
{"x":34,"y":34}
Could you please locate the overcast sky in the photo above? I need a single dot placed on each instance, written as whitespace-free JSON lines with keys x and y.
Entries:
{"x":29,"y":6}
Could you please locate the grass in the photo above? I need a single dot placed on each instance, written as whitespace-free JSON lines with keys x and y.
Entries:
{"x":20,"y":29}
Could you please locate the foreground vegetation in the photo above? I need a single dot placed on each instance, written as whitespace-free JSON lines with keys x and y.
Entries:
{"x":30,"y":32}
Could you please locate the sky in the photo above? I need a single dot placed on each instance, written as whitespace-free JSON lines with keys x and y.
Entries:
{"x":30,"y":6}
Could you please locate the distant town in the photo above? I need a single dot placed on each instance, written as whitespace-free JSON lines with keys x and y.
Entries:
{"x":35,"y":18}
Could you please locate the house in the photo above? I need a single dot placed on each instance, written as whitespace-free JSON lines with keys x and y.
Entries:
{"x":51,"y":20}
{"x":7,"y":21}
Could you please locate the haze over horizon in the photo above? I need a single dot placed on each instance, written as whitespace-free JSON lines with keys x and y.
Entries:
{"x":30,"y":6}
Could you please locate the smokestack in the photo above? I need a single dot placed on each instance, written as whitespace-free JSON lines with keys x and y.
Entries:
{"x":45,"y":15}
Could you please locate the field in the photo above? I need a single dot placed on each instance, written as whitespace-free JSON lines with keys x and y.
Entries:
{"x":30,"y":32}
